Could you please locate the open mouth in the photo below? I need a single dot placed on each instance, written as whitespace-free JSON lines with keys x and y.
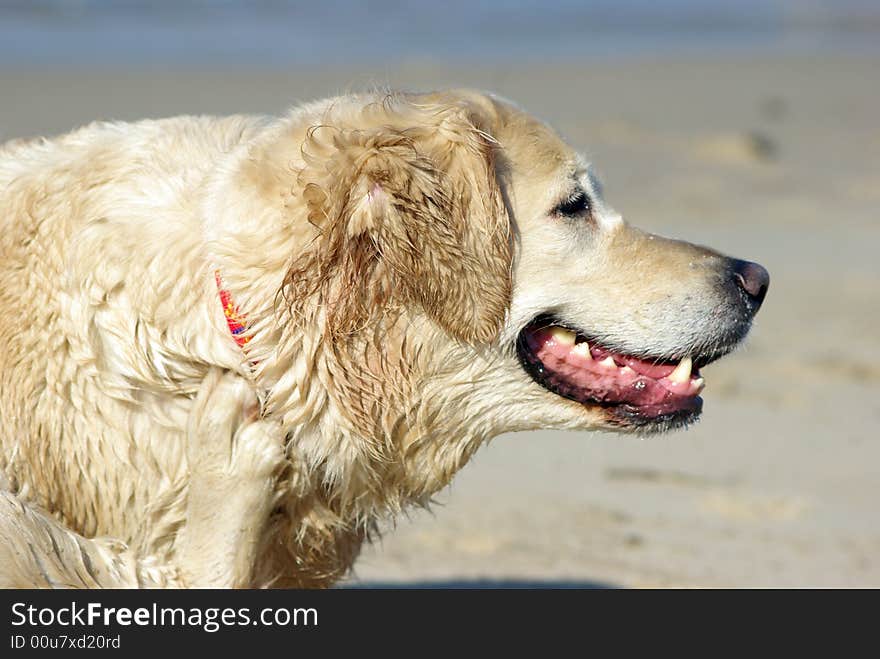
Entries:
{"x":638,"y":391}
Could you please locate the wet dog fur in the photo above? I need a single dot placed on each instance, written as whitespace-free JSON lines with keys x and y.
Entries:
{"x":386,"y":251}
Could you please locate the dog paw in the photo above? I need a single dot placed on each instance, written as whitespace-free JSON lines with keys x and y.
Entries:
{"x":228,"y":441}
{"x":258,"y":449}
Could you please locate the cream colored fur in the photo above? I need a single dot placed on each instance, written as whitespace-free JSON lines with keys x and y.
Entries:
{"x":386,"y":251}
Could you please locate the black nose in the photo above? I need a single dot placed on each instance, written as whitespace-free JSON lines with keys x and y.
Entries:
{"x":753,"y":279}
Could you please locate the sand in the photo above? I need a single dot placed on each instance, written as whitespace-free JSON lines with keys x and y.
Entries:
{"x":770,"y":158}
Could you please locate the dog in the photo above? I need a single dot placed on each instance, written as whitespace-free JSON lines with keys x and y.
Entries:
{"x":232,"y":345}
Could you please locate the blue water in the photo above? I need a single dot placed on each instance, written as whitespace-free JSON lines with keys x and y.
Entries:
{"x":221,"y":34}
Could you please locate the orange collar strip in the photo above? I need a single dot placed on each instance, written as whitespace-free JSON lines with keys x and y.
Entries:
{"x":234,"y":320}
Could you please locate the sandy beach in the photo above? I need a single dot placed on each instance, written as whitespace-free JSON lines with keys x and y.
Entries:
{"x":772,"y":158}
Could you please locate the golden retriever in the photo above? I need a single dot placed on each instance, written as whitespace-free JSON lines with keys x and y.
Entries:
{"x":232,"y":345}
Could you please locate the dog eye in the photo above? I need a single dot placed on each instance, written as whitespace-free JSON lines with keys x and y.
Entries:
{"x":576,"y":204}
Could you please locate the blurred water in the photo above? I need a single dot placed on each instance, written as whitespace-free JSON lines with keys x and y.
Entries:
{"x":222,"y":34}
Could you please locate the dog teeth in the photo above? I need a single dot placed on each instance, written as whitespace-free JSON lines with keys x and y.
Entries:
{"x":682,"y":372}
{"x":582,"y":350}
{"x":562,"y":336}
{"x":608,"y":362}
{"x":627,"y":371}
{"x":698,"y":385}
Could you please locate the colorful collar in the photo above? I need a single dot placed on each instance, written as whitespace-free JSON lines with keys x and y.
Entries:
{"x":234,"y":320}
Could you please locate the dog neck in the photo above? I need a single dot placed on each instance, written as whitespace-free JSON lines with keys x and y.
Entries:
{"x":376,"y":421}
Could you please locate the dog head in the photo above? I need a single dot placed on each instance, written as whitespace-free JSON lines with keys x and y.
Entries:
{"x":480,"y":244}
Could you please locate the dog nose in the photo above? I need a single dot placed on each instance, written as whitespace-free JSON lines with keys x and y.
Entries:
{"x":753,"y":279}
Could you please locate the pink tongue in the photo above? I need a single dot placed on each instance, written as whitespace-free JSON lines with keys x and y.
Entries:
{"x":580,"y":378}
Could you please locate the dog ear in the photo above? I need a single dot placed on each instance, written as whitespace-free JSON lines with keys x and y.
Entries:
{"x":409,"y":212}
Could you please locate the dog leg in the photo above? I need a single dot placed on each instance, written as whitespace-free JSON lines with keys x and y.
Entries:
{"x":36,"y":551}
{"x":234,"y":458}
